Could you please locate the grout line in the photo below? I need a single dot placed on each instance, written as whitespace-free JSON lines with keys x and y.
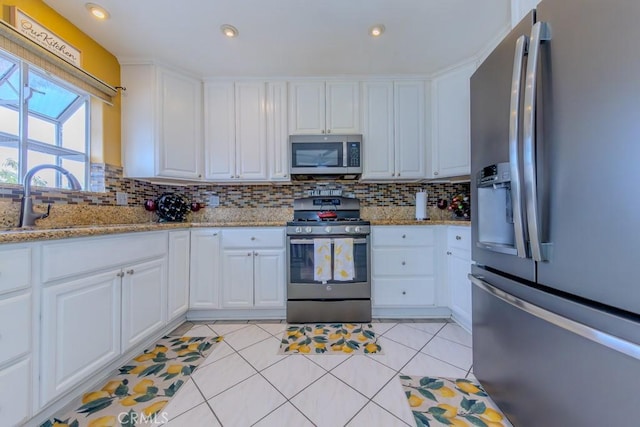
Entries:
{"x":206,"y":402}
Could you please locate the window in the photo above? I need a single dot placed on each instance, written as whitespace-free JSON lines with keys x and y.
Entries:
{"x":42,"y":121}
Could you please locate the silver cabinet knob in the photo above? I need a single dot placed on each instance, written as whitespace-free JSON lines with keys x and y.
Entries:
{"x":255,"y":253}
{"x":253,"y":238}
{"x":404,"y":292}
{"x":249,"y":254}
{"x":231,"y":177}
{"x":435,"y":173}
{"x":393,"y":174}
{"x":120,"y":274}
{"x":322,"y":130}
{"x":404,"y":236}
{"x":448,"y":253}
{"x":398,"y":174}
{"x":285,"y":175}
{"x":214,"y":234}
{"x":328,"y":130}
{"x":458,"y":238}
{"x":404,"y":263}
{"x":130,"y":271}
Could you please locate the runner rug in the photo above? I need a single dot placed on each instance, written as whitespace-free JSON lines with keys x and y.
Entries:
{"x":439,"y":402}
{"x":334,"y":338}
{"x":142,"y":388}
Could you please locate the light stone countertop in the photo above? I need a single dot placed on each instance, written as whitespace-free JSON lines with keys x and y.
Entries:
{"x":18,"y":235}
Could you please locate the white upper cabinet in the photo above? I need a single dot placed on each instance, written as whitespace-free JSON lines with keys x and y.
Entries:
{"x":317,"y":107}
{"x":394,"y":130}
{"x":277,"y":131}
{"x":161,"y":123}
{"x":451,"y":123}
{"x":235,"y":131}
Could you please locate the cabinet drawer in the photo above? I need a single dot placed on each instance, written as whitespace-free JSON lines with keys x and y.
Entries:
{"x":253,"y":238}
{"x":403,"y":236}
{"x":14,"y":393}
{"x":15,"y":269}
{"x":70,"y":258}
{"x":415,"y":261}
{"x":403,"y":292}
{"x":459,"y":237}
{"x":15,"y":327}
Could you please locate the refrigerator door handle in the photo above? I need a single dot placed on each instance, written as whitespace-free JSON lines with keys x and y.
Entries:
{"x":618,"y":344}
{"x":514,"y":144}
{"x":540,"y":32}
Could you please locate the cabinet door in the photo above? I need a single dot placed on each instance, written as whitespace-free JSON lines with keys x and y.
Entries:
{"x":277,"y":131}
{"x":178,"y":274}
{"x":80,"y":331}
{"x":237,"y":278}
{"x":306,"y":107}
{"x":180,"y":119}
{"x":15,"y":395}
{"x":377,"y":130}
{"x":403,"y":291}
{"x":15,"y":327}
{"x":204,"y":285}
{"x":458,"y":267}
{"x":144,"y":301}
{"x":342,"y":107}
{"x":451,"y":133}
{"x":269,"y":279}
{"x":251,"y":133}
{"x":409,"y":132}
{"x":219,"y":131}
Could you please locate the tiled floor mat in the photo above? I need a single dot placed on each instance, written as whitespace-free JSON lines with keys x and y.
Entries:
{"x":142,"y":388}
{"x":334,"y":338}
{"x":437,"y":401}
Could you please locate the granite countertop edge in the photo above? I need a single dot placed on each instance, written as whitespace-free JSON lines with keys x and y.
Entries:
{"x":18,"y":235}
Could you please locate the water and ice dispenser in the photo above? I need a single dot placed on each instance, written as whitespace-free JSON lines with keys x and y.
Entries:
{"x":495,"y":212}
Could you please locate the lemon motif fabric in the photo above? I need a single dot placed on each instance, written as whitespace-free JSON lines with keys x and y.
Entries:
{"x":142,"y":388}
{"x":437,"y":401}
{"x":343,"y":268}
{"x":336,"y":338}
{"x":322,"y":260}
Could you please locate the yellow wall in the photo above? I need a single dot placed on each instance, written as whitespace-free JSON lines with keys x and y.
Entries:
{"x":96,"y":60}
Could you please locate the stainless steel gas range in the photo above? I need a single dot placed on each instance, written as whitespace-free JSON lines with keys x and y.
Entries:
{"x":328,"y":257}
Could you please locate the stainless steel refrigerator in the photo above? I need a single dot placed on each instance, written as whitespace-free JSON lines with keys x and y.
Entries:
{"x":555,"y":149}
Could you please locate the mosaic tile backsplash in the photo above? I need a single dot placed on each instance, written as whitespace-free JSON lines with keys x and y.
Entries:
{"x":272,"y":195}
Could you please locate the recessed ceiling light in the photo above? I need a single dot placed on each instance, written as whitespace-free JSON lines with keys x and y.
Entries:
{"x":376,"y":30}
{"x":229,"y":30}
{"x":98,"y":11}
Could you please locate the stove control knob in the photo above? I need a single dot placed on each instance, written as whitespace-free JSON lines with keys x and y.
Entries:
{"x":307,"y":230}
{"x":298,"y":229}
{"x":327,"y":229}
{"x":358,"y":229}
{"x":347,"y":229}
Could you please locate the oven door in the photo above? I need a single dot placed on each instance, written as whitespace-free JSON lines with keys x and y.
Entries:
{"x":300,"y":275}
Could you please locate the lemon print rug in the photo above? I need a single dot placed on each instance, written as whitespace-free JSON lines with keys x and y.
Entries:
{"x":335,"y":338}
{"x":140,"y":390}
{"x":439,"y":402}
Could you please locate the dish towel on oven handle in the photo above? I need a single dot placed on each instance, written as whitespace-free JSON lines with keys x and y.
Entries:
{"x":322,"y":260}
{"x":343,"y":268}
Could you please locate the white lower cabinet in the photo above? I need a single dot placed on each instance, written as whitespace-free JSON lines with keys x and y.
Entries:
{"x":15,"y":393}
{"x":253,"y":267}
{"x":403,"y":266}
{"x":458,"y":267}
{"x":144,"y":301}
{"x":204,"y":284}
{"x":178,"y":274}
{"x":80,"y":330}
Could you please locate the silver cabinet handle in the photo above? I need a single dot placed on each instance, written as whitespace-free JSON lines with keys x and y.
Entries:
{"x":540,"y":32}
{"x":398,"y":174}
{"x":232,"y":176}
{"x":214,"y":234}
{"x":404,"y":236}
{"x":322,"y":131}
{"x":592,"y":334}
{"x":249,"y":254}
{"x":255,"y":253}
{"x":448,"y":252}
{"x":328,"y":130}
{"x":120,"y":274}
{"x":253,"y":238}
{"x":514,"y":147}
{"x":130,"y":271}
{"x":404,"y":263}
{"x":458,"y":238}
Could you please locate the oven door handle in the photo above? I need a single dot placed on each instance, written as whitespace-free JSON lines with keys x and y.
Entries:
{"x":310,"y":241}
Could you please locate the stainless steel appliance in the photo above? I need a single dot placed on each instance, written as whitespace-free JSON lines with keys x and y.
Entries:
{"x":329,"y":220}
{"x":556,"y":296}
{"x":325,"y":156}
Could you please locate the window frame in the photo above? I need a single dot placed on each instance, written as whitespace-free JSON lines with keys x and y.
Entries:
{"x":26,"y":144}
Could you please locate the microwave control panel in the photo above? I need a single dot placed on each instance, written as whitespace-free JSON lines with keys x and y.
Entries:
{"x":354,"y":154}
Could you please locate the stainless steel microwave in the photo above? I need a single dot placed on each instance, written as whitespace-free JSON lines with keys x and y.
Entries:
{"x":326,"y":156}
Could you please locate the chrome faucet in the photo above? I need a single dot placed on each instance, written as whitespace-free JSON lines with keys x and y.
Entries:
{"x":27,"y":216}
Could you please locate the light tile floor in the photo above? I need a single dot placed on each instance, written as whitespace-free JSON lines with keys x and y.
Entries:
{"x":244,"y":382}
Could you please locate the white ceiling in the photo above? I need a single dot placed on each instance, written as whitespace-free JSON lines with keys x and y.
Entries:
{"x":295,"y":37}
